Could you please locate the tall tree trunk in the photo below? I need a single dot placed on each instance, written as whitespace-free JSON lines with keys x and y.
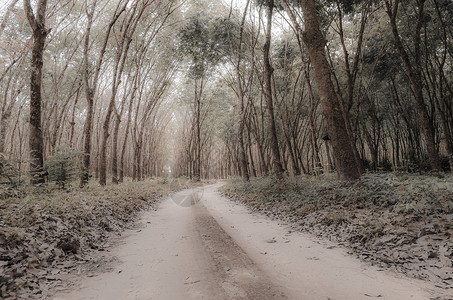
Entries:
{"x":252,"y":161}
{"x":347,"y":168}
{"x":73,"y":123}
{"x":312,"y":113}
{"x":116,"y":176}
{"x":351,"y":72}
{"x":268,"y":70}
{"x":87,"y":137}
{"x":116,"y":129}
{"x":198,"y":148}
{"x":3,"y":125}
{"x":89,"y":96}
{"x":199,"y":86}
{"x":105,"y":136}
{"x":136,"y":167}
{"x":240,"y":92}
{"x":6,"y":113}
{"x":123,"y":149}
{"x":39,"y":38}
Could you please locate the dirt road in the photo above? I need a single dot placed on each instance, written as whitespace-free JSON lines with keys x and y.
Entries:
{"x":199,"y":245}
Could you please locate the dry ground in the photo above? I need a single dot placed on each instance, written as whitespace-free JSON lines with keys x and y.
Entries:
{"x":403,"y":222}
{"x":48,"y":233}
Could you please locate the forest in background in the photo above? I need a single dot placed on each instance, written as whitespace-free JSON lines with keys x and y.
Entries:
{"x":210,"y":90}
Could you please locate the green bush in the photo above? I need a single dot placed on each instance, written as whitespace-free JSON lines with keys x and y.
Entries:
{"x":11,"y":177}
{"x":63,"y":166}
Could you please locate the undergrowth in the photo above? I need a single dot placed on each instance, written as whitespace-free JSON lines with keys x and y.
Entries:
{"x":402,"y":193}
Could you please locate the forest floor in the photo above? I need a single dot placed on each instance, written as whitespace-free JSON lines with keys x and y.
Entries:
{"x":402,"y":222}
{"x":47,"y":234}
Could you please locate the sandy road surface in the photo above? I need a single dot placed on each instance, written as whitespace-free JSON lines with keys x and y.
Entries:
{"x":199,"y":245}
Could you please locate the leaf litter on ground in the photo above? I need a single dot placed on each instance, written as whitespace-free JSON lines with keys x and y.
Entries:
{"x":50,"y":233}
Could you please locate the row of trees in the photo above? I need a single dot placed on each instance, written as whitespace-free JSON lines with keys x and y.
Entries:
{"x":212,"y":90}
{"x":349,"y":85}
{"x":98,"y":71}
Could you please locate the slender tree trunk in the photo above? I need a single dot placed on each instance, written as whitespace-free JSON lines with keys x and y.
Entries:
{"x":89,"y":96}
{"x":116,"y":177}
{"x":252,"y":161}
{"x":5,"y":116}
{"x":415,"y":78}
{"x":123,"y":149}
{"x":268,"y":70}
{"x":73,"y":123}
{"x":105,"y":136}
{"x":3,"y":124}
{"x":240,"y":92}
{"x":87,"y":137}
{"x":135,"y":168}
{"x":197,"y":142}
{"x":116,"y":129}
{"x":198,"y":148}
{"x":313,"y":139}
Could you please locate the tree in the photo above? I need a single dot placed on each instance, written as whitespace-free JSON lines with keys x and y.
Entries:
{"x":334,"y":81}
{"x":63,"y":166}
{"x":201,"y":42}
{"x":38,"y":25}
{"x":351,"y":68}
{"x":268,"y":70}
{"x":240,"y":90}
{"x":347,"y":168}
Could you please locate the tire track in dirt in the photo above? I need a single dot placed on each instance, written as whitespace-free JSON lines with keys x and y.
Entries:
{"x":236,"y":272}
{"x":180,"y":252}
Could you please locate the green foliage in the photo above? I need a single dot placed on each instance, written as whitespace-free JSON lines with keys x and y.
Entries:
{"x":11,"y":177}
{"x":286,"y":53}
{"x":347,"y":6}
{"x":205,"y":42}
{"x":63,"y":166}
